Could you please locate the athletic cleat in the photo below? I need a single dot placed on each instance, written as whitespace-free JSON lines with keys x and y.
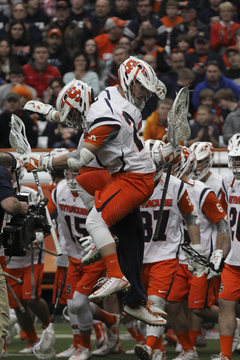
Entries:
{"x":13,"y":331}
{"x":130,"y":352}
{"x":29,"y":348}
{"x":156,"y":310}
{"x":178,"y":347}
{"x":143,"y":313}
{"x":112,"y":344}
{"x":219,"y":357}
{"x":67,"y":353}
{"x":109,"y":286}
{"x":171,"y":337}
{"x":201,"y":339}
{"x":236,"y":338}
{"x":211,"y":334}
{"x":187,"y":355}
{"x":159,"y":355}
{"x":4,"y":354}
{"x":143,"y":352}
{"x":100,"y":340}
{"x":81,"y":353}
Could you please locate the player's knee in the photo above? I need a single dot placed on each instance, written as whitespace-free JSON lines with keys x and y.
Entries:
{"x":70,"y":306}
{"x":94,"y":221}
{"x":80,"y":302}
{"x":197,"y":312}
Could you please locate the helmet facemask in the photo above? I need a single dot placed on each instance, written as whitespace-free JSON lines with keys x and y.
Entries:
{"x":70,"y":177}
{"x":139,"y":94}
{"x":234,"y":164}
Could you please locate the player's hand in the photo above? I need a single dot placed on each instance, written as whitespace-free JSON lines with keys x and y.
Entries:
{"x":193,"y":266}
{"x":217,"y":260}
{"x":213,"y":274}
{"x":161,"y":90}
{"x":167,"y":154}
{"x":37,"y":162}
{"x":86,"y":243}
{"x":24,"y":207}
{"x":39,"y":239}
{"x":45,"y":110}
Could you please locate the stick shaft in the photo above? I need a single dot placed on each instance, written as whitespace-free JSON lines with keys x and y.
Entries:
{"x":159,"y":218}
{"x":21,"y":308}
{"x":54,"y":236}
{"x":32,"y":272}
{"x":59,"y":295}
{"x":19,"y":281}
{"x":46,"y":250}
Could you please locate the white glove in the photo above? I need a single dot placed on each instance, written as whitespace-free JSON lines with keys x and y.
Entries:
{"x":39,"y":239}
{"x":46,"y":110}
{"x":194,"y":267}
{"x":37,"y":162}
{"x":86,"y":242}
{"x":165,"y":154}
{"x":213,"y":274}
{"x":216,"y":259}
{"x":161,"y":90}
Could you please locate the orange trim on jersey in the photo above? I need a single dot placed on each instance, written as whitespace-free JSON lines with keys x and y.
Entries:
{"x":223,"y":201}
{"x":99,"y":135}
{"x":213,"y":209}
{"x":51,"y":206}
{"x":185,"y":204}
{"x":170,"y":24}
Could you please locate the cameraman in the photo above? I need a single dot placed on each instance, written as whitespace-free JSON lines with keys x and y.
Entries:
{"x":10,"y":204}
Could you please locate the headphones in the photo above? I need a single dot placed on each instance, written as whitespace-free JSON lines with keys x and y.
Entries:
{"x":14,"y":161}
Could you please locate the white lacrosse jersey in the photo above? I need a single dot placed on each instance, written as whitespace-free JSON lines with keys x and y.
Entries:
{"x":38,"y":255}
{"x":231,"y":189}
{"x":171,"y":229}
{"x":215,"y":183}
{"x":122,"y":150}
{"x":72,"y":216}
{"x":199,"y":193}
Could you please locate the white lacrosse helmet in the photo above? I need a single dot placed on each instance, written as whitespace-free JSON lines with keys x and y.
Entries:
{"x":134,"y":69}
{"x":71,"y":176}
{"x":73,"y":103}
{"x":232,"y":141}
{"x":204,"y":152}
{"x":186,"y":165}
{"x":151,"y":146}
{"x":234,"y":159}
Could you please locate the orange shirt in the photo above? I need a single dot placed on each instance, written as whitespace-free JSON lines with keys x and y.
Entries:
{"x":152,"y":128}
{"x":170,"y":24}
{"x":105,"y":47}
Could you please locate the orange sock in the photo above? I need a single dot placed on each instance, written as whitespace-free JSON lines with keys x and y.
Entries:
{"x":193,"y":336}
{"x":151,"y":341}
{"x":85,"y":341}
{"x":107,"y":318}
{"x":31,"y":334}
{"x":159,"y":344}
{"x":76,"y":340}
{"x":98,"y":328}
{"x":112,"y":265}
{"x":226,"y":346}
{"x":136,"y":335}
{"x":185,"y":341}
{"x":46,"y":322}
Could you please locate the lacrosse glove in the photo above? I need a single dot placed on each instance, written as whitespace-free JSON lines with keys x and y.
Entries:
{"x":45,"y":110}
{"x":34,"y":163}
{"x":166,"y":154}
{"x":193,"y":266}
{"x":217,"y":262}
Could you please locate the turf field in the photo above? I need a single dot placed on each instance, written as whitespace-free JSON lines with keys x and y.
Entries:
{"x":64,"y":340}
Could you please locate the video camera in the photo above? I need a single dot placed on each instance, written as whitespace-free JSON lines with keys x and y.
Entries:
{"x":19,"y":232}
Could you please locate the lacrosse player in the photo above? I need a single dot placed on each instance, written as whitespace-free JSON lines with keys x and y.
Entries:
{"x":81,"y":280}
{"x":200,"y":289}
{"x":229,"y":294}
{"x":160,"y":261}
{"x":112,"y":123}
{"x":20,"y":267}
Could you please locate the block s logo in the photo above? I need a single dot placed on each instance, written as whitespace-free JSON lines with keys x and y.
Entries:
{"x":221,"y":288}
{"x":69,"y":289}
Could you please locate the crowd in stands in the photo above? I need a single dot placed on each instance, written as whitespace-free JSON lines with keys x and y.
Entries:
{"x":44,"y":44}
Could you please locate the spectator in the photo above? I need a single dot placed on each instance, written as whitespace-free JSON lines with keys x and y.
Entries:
{"x":214,"y":80}
{"x":150,"y":46}
{"x":145,"y":20}
{"x":202,"y":129}
{"x":38,"y":73}
{"x":7,"y":59}
{"x":126,"y":42}
{"x":226,"y":101}
{"x":110,"y":75}
{"x":177,"y":62}
{"x":202,"y":54}
{"x":35,"y":15}
{"x":24,"y":94}
{"x":16,"y":77}
{"x":186,"y":77}
{"x":57,"y":56}
{"x":170,"y":20}
{"x":233,"y":57}
{"x":222,"y":32}
{"x":207,"y":98}
{"x":81,"y":72}
{"x":156,"y":123}
{"x":4,"y":21}
{"x":61,"y":136}
{"x":72,"y":34}
{"x":51,"y":93}
{"x":123,"y":10}
{"x":190,"y":24}
{"x":96,"y":64}
{"x":78,"y":13}
{"x":107,"y":42}
{"x":210,"y":15}
{"x":231,"y":124}
{"x":20,"y":41}
{"x":95,"y":24}
{"x":12,"y":106}
{"x":49,"y":6}
{"x":19,"y":13}
{"x":184,"y":44}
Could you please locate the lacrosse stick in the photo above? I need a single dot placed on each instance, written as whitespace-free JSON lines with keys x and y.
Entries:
{"x":19,"y":281}
{"x":178,"y":130}
{"x":46,"y":250}
{"x":32,"y":272}
{"x":44,"y":349}
{"x":19,"y":142}
{"x":21,"y":308}
{"x":202,"y":260}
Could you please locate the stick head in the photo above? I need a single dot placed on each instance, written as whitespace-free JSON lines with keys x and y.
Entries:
{"x":17,"y":137}
{"x":45,"y":347}
{"x":178,"y":126}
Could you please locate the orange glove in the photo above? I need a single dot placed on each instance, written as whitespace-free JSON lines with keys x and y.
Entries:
{"x":38,"y":163}
{"x":166,"y":154}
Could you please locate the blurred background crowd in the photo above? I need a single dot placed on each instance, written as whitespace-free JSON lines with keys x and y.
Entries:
{"x":44,"y":44}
